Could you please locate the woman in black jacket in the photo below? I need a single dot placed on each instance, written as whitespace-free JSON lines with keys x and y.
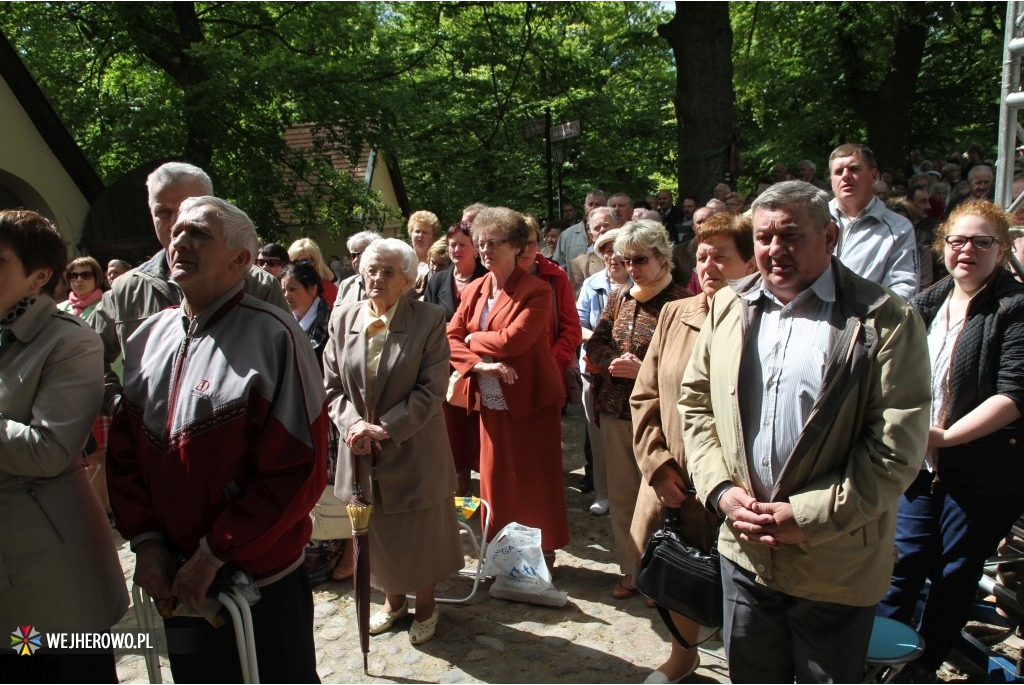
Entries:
{"x":445,"y":288}
{"x":971,"y":486}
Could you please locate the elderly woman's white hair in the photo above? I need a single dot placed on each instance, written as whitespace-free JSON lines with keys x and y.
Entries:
{"x":390,"y":248}
{"x":238,"y":229}
{"x":358,"y":241}
{"x":644,"y":235}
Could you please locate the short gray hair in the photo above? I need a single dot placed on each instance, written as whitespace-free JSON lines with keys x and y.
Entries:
{"x":387,"y":248}
{"x":977,"y":168}
{"x":236,"y":226}
{"x":596,"y":192}
{"x":604,"y":209}
{"x":361,"y":240}
{"x":174,"y":173}
{"x":787,"y":193}
{"x":814,"y":169}
{"x":644,"y":235}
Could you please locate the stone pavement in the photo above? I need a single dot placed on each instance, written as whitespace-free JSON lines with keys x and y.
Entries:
{"x":593,"y":639}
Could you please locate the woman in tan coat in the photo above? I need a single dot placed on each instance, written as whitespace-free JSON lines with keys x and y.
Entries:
{"x":59,"y":571}
{"x":386,"y":372}
{"x":725,"y":251}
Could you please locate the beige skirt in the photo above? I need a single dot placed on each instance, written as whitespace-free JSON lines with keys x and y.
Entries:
{"x":413,"y":549}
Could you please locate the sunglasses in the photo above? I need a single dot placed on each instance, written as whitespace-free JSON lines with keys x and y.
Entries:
{"x":355,"y":255}
{"x":81,"y":275}
{"x":634,"y":261}
{"x":272,"y":263}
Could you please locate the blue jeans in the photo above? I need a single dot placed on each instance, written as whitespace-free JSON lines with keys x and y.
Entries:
{"x":945,"y":537}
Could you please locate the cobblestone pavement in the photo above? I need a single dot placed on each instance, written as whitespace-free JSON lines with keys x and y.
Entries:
{"x":593,"y":639}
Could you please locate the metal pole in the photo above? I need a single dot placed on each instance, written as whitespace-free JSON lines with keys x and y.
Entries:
{"x":1008,"y":126}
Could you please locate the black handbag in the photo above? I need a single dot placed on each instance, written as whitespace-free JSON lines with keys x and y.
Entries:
{"x":680,"y":577}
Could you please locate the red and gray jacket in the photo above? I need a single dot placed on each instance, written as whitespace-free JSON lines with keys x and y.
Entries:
{"x":220,"y":440}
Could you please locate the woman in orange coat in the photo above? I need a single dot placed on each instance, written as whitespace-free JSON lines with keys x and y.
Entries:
{"x":500,"y":341}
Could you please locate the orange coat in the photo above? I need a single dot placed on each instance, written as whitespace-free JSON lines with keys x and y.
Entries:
{"x":518,"y":334}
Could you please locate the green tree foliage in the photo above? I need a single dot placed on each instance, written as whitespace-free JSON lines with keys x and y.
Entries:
{"x":489,"y":68}
{"x":809,"y":76}
{"x":217,"y":84}
{"x":445,"y":87}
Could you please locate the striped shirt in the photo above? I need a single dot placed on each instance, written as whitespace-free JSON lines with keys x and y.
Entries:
{"x":783,"y":362}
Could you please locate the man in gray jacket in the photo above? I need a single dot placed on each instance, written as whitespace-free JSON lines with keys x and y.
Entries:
{"x":874,"y":242}
{"x":147,"y":289}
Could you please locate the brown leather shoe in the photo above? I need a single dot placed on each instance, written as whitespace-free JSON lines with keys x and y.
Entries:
{"x":621,"y":591}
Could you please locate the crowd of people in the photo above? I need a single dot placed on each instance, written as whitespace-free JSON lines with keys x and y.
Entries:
{"x":806,"y":376}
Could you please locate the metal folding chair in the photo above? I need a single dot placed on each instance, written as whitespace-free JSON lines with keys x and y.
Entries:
{"x":479,"y":546}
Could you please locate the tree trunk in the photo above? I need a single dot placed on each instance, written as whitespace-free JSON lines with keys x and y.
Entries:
{"x":885,"y":109}
{"x":888,"y":125}
{"x":701,"y":39}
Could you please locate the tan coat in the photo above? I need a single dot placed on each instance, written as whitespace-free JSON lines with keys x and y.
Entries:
{"x":582,"y":267}
{"x":58,"y":567}
{"x":415,"y":469}
{"x":657,"y":429}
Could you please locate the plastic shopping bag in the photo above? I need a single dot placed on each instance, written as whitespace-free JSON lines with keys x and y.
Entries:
{"x":515,"y":560}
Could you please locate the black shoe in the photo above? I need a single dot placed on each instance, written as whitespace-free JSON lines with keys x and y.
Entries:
{"x":586,"y":484}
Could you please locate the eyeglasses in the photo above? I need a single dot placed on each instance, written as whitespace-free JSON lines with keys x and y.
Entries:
{"x":387,"y":274}
{"x":355,"y":255}
{"x":980,"y":242}
{"x":272,"y":263}
{"x":81,"y":275}
{"x":490,"y":244}
{"x":634,"y":261}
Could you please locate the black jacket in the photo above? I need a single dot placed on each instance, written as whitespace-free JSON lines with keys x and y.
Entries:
{"x":439,"y":288}
{"x":988,"y":360}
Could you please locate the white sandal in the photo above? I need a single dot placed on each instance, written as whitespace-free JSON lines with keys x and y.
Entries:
{"x":420,"y":632}
{"x":382,"y":620}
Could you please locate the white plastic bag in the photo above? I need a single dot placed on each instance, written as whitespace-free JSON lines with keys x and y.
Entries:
{"x":515,"y":560}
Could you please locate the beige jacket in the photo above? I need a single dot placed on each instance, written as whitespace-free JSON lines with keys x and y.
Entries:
{"x":58,"y":567}
{"x":415,"y":468}
{"x":863,"y":443}
{"x":657,"y":429}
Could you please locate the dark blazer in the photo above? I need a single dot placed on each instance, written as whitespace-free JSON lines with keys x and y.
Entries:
{"x":415,"y":469}
{"x":440,"y":288}
{"x":518,"y":334}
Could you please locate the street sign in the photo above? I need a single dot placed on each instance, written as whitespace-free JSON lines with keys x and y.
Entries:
{"x":534,"y":128}
{"x":565,"y":130}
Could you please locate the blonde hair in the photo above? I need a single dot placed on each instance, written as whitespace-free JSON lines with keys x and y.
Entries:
{"x":305,"y":248}
{"x":424,"y":218}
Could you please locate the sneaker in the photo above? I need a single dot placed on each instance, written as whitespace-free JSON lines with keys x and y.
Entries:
{"x":599,"y":508}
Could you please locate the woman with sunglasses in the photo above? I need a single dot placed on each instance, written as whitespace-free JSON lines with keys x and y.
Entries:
{"x":85,"y":286}
{"x":499,"y":341}
{"x":84,"y":276}
{"x":970,"y":489}
{"x":614,"y":354}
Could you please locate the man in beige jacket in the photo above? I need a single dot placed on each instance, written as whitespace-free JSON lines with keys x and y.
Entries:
{"x":805,"y":416}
